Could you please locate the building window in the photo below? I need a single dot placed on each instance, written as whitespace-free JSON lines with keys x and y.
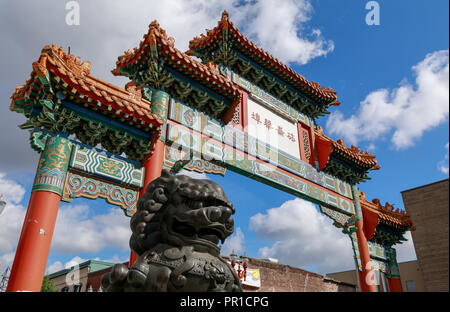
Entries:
{"x":77,"y":288}
{"x":410,"y":286}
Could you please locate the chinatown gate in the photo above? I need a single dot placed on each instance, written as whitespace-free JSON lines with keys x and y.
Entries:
{"x":238,"y":109}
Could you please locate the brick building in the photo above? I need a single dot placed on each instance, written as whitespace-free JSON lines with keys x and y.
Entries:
{"x":284,"y":278}
{"x":77,"y":278}
{"x":270,"y":276}
{"x":428,"y":206}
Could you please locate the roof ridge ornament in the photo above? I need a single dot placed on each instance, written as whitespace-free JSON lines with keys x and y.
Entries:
{"x":67,"y":60}
{"x":40,"y":67}
{"x":315,"y":84}
{"x":134,"y":91}
{"x":213,"y":67}
{"x":355,"y":149}
{"x":224,"y":19}
{"x":320,"y":130}
{"x":225,"y":15}
{"x":155,"y":29}
{"x":387,"y":212}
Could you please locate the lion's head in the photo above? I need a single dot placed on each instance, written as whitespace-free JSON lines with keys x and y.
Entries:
{"x":179,"y":211}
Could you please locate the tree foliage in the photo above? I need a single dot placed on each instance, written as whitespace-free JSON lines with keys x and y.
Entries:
{"x":47,"y":285}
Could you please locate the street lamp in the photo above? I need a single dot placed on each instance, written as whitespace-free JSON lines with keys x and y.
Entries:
{"x":244,"y":260}
{"x":239,"y":265}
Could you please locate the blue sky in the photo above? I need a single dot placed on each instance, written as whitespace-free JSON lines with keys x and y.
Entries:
{"x":392,"y":80}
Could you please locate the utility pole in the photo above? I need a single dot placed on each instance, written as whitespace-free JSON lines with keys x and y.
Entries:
{"x":4,"y":279}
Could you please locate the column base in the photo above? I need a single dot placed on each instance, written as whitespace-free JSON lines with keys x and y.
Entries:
{"x":395,"y":285}
{"x":30,"y":260}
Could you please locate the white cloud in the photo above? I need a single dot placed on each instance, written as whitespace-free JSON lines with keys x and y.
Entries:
{"x":58,"y":265}
{"x":234,"y":242}
{"x":114,"y":259}
{"x":6,"y":260}
{"x":54,"y":267}
{"x":303,"y":237}
{"x":371,"y":147}
{"x":443,"y":164}
{"x":108,"y":28}
{"x":12,"y":191}
{"x":77,"y":230}
{"x":279,"y":27}
{"x":74,"y":261}
{"x":11,"y":219}
{"x":404,"y":113}
{"x":193,"y":174}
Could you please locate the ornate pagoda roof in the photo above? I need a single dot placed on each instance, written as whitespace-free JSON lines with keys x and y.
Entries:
{"x":62,"y":97}
{"x":226,"y":45}
{"x":382,"y":223}
{"x":157,"y":63}
{"x":75,"y":77}
{"x":387,"y":213}
{"x":349,"y":163}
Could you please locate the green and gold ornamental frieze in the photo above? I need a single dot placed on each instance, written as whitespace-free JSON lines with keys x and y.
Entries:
{"x":160,"y":104}
{"x":210,"y":149}
{"x":80,"y":185}
{"x":379,"y":265}
{"x":63,"y":114}
{"x":387,"y":236}
{"x":394,"y":271}
{"x":53,"y":164}
{"x":173,"y":156}
{"x":97,"y":163}
{"x":339,"y":218}
{"x":203,"y":124}
{"x":238,"y":63}
{"x":356,"y":253}
{"x":377,"y":250}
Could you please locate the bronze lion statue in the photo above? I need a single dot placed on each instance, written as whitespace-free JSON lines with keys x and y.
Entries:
{"x":175,"y":233}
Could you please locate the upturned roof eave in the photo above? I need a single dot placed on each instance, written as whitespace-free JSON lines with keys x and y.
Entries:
{"x":52,"y":61}
{"x":351,"y":154}
{"x":206,"y":75}
{"x":386,"y":213}
{"x":327,"y":95}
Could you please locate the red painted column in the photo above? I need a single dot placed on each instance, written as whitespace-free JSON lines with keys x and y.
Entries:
{"x":395,"y":285}
{"x":244,"y":111}
{"x":366,"y":278}
{"x":154,"y":164}
{"x":34,"y":244}
{"x":33,"y":248}
{"x":153,"y":167}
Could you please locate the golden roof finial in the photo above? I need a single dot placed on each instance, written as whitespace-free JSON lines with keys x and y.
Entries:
{"x":225,"y":14}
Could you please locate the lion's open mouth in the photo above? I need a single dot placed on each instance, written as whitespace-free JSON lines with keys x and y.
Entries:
{"x":207,"y":233}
